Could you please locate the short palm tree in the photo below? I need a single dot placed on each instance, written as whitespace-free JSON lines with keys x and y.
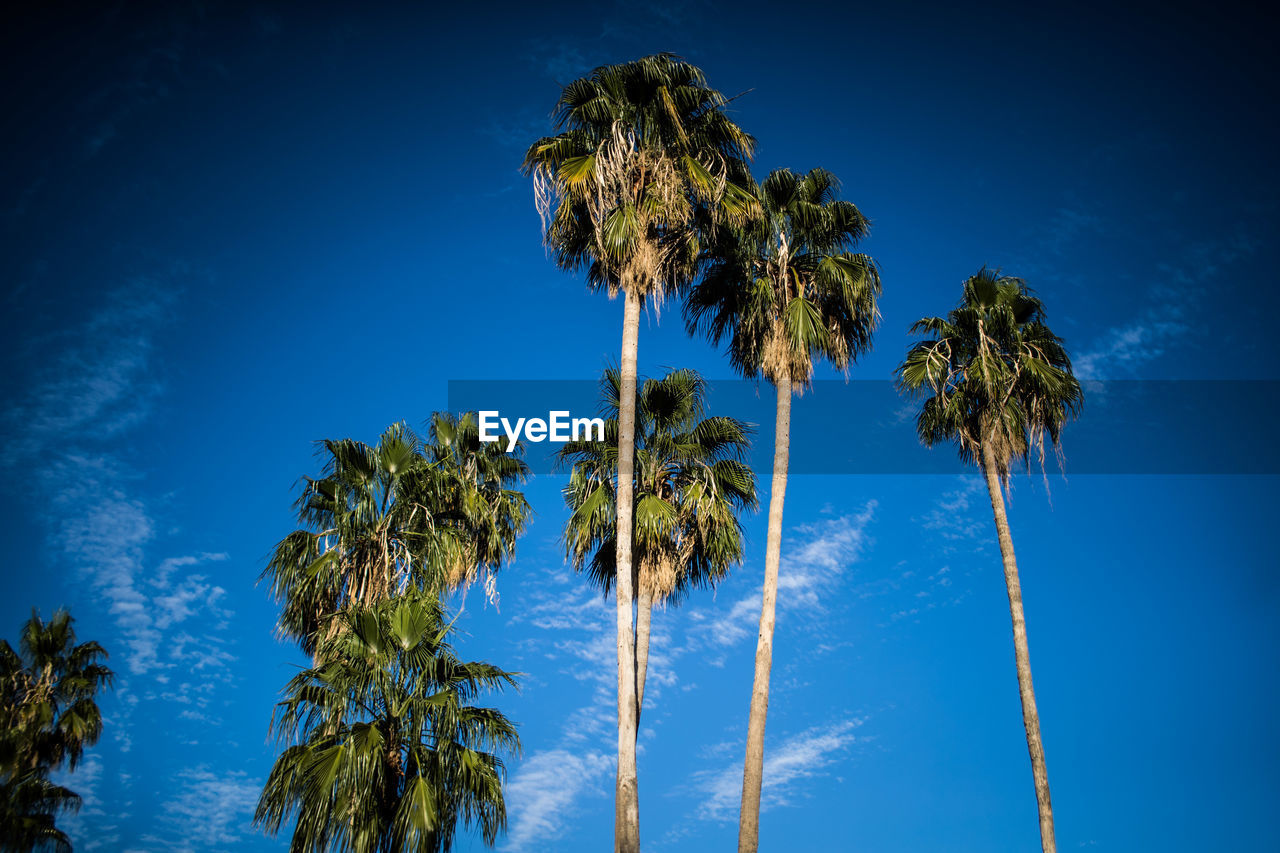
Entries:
{"x":388,"y":517}
{"x":645,"y":164}
{"x":997,"y":382}
{"x":387,"y":752}
{"x":48,"y":715}
{"x":691,"y":483}
{"x":782,"y":291}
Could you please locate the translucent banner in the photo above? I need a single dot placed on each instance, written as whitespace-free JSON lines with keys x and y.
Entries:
{"x":868,"y":427}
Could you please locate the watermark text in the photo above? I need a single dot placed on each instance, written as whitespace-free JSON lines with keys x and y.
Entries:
{"x":559,"y":426}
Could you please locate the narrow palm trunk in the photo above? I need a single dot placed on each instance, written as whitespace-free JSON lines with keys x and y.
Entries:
{"x":753,"y":770}
{"x":644,"y":618}
{"x":627,"y":799}
{"x":1022,"y":655}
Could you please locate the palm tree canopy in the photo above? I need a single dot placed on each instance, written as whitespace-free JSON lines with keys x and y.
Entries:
{"x":387,"y":752}
{"x":399,"y":514}
{"x":483,"y":473}
{"x":691,"y":482}
{"x":47,"y":710}
{"x":785,"y":288}
{"x":48,"y":715}
{"x":991,"y":373}
{"x":646,"y":161}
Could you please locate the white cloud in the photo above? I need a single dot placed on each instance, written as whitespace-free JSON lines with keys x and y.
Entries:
{"x":1122,"y":350}
{"x":101,"y":383}
{"x":1173,"y":303}
{"x":580,"y":628}
{"x":786,"y":765}
{"x":211,"y":810}
{"x":814,"y":559}
{"x":541,"y":795}
{"x":953,"y":515}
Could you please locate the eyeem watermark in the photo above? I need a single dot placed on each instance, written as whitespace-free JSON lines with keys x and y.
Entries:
{"x":559,"y":427}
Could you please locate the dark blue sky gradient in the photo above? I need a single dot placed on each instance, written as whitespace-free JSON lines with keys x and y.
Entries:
{"x":228,"y":231}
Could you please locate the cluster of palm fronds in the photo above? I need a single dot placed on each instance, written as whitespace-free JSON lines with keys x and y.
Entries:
{"x":387,"y":752}
{"x":48,"y":715}
{"x":402,"y":513}
{"x":994,"y":378}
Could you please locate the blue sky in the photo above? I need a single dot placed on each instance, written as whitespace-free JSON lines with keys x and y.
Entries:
{"x":228,"y":231}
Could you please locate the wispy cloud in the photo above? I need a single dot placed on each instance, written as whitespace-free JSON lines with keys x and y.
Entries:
{"x":1173,"y":303}
{"x":94,"y":390}
{"x":210,"y":811}
{"x":814,"y":559}
{"x":542,"y":795}
{"x":559,"y":60}
{"x":1065,"y":228}
{"x":579,"y":627}
{"x":809,"y":754}
{"x":98,"y":385}
{"x":65,"y":432}
{"x":953,"y":515}
{"x":86,"y":781}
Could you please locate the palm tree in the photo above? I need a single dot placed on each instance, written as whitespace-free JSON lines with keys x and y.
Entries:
{"x":48,"y":715}
{"x":997,"y":382}
{"x":690,"y":484}
{"x":783,"y":291}
{"x":388,"y":517}
{"x":646,"y":163}
{"x":484,"y":472}
{"x":388,"y":753}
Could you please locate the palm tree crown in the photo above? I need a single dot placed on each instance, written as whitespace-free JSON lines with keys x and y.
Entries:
{"x":483,"y":473}
{"x":48,"y":715}
{"x":388,"y":752}
{"x":398,"y":514}
{"x":691,"y":482}
{"x":645,"y":154}
{"x":994,"y":374}
{"x":785,"y":287}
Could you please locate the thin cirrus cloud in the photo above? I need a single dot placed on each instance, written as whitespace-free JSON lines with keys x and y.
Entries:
{"x":546,"y":792}
{"x":169,"y":621}
{"x":814,"y":560}
{"x":1173,"y":303}
{"x":542,"y":796}
{"x":210,"y":811}
{"x":788,"y":764}
{"x":95,"y":390}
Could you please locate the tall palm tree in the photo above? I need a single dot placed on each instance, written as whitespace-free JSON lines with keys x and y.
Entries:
{"x":388,"y":753}
{"x":48,"y":715}
{"x":784,"y":290}
{"x":997,"y":382}
{"x":690,"y":484}
{"x":646,"y":162}
{"x":388,"y":517}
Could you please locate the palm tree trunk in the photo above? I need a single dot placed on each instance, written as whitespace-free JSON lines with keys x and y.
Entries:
{"x":644,"y":617}
{"x":627,"y":798}
{"x":1022,"y":655}
{"x":753,"y":770}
